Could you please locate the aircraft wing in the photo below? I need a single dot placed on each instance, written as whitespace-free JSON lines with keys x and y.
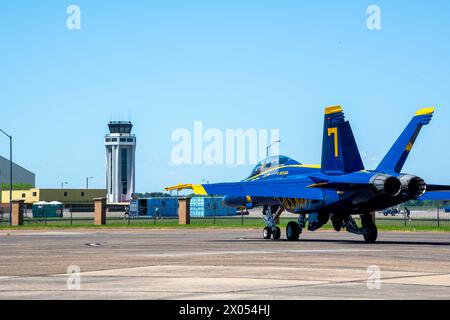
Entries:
{"x":437,"y":187}
{"x":437,"y":196}
{"x":286,"y":188}
{"x":436,"y":192}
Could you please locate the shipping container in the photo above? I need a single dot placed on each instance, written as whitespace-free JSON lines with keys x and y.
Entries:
{"x":138,"y":207}
{"x":168,"y":207}
{"x":162,"y":207}
{"x":210,"y":207}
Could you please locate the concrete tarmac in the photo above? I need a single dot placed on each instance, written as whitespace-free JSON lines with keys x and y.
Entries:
{"x":221,"y":264}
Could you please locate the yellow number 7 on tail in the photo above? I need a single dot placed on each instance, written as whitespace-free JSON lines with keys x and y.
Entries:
{"x":334,"y":132}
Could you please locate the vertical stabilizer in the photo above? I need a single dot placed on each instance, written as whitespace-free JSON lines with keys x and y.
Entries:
{"x":395,"y":158}
{"x":340,"y":154}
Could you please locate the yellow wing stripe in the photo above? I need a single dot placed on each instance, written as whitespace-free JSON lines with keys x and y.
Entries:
{"x":424,"y":111}
{"x":197,"y":188}
{"x":200,"y":190}
{"x":309,"y":166}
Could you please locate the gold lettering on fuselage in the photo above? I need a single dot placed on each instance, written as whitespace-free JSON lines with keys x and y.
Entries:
{"x":293,"y":204}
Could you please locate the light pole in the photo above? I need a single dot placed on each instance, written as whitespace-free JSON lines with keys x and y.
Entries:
{"x":269,"y":146}
{"x":62,"y":184}
{"x":87,"y":181}
{"x":10,"y":174}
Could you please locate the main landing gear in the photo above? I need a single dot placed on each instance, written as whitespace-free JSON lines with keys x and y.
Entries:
{"x":271,"y":229}
{"x":368,"y":230}
{"x":294,"y":229}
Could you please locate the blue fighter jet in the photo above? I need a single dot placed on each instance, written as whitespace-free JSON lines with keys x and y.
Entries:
{"x":337,"y":189}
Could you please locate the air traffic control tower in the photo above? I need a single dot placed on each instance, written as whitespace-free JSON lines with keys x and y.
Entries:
{"x":120,"y":147}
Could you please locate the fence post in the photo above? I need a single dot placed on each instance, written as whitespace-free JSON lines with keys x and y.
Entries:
{"x":71,"y":215}
{"x":184,"y":214}
{"x":17,"y":212}
{"x":404,"y":217}
{"x":45,"y":214}
{"x":438,"y":216}
{"x":100,"y":211}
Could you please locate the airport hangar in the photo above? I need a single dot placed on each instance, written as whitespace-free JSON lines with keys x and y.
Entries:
{"x":20,"y":176}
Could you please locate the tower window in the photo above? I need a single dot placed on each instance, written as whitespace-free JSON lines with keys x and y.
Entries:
{"x":124,"y":167}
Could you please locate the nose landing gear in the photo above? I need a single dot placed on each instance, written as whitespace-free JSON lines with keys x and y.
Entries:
{"x":271,"y":229}
{"x":269,"y":232}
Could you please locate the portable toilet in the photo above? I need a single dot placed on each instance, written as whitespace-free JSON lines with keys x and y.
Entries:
{"x":56,"y":209}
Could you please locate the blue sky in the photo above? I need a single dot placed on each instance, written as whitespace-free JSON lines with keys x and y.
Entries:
{"x":230,"y":64}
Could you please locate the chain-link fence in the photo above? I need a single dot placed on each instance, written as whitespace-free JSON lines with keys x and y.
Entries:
{"x":83,"y":215}
{"x":415,"y":217}
{"x":4,"y":216}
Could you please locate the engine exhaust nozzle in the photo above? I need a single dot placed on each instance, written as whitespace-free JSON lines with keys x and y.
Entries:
{"x":413,"y":185}
{"x":386,"y":184}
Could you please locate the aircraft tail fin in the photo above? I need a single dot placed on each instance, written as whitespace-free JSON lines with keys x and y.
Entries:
{"x":395,"y":158}
{"x":340,"y":153}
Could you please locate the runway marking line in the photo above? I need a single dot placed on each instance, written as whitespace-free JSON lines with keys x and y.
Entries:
{"x":237,"y":252}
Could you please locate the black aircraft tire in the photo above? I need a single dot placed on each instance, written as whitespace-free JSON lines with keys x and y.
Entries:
{"x":267,"y":233}
{"x":276,"y":233}
{"x":337,"y":223}
{"x":370,"y":233}
{"x":292,"y":231}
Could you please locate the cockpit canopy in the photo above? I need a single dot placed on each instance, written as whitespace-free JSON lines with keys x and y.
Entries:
{"x":272,"y":162}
